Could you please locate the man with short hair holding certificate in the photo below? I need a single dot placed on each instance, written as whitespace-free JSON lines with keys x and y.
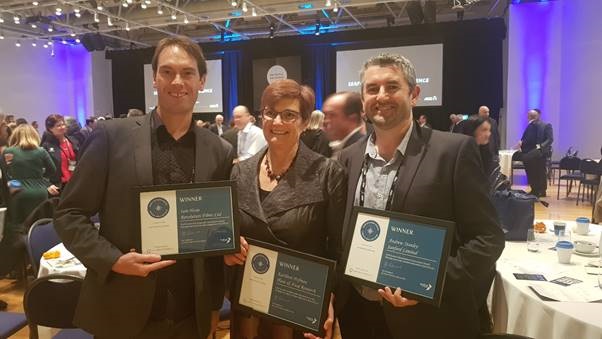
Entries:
{"x":126,"y":293}
{"x":403,"y":167}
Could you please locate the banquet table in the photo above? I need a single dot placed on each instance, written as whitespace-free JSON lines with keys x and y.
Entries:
{"x":517,"y":309}
{"x":506,"y":162}
{"x":66,"y":263}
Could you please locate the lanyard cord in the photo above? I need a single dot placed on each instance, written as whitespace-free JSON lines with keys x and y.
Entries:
{"x":365,"y":165}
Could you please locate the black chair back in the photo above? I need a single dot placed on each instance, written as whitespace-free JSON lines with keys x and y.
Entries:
{"x":41,"y":238}
{"x":589,"y":166}
{"x":51,"y":301}
{"x":570,"y":163}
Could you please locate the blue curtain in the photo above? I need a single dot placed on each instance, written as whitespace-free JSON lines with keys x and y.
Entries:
{"x":320,"y":70}
{"x":232,"y":66}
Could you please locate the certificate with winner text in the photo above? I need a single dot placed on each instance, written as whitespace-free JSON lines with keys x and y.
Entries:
{"x":286,"y":286}
{"x":385,"y":248}
{"x":188,"y":220}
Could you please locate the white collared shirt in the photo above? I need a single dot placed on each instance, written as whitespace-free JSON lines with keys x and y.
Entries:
{"x":250,"y":141}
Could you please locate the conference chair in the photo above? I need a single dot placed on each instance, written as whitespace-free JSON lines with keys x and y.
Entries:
{"x":51,"y":301}
{"x":41,"y":238}
{"x":11,"y":323}
{"x":590,"y":171}
{"x":571,"y":165}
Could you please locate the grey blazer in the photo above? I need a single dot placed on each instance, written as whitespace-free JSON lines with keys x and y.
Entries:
{"x":118,"y":158}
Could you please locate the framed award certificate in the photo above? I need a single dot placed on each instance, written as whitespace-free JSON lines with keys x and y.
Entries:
{"x":385,"y":248}
{"x":187,"y":220}
{"x":286,"y":286}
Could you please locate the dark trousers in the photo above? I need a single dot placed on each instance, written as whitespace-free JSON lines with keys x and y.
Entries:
{"x":165,"y":329}
{"x":363,"y":319}
{"x":536,"y":173}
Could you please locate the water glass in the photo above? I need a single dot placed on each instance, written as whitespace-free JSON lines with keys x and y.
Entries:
{"x":532,"y":243}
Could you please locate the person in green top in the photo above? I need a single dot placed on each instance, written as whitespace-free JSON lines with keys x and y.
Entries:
{"x":24,"y":166}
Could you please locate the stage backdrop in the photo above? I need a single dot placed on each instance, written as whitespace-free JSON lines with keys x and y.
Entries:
{"x":472,"y":64}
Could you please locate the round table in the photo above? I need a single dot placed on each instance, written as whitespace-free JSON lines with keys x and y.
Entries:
{"x":506,"y":162}
{"x":66,"y":263}
{"x":517,"y":309}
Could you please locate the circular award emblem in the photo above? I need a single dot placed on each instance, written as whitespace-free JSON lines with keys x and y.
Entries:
{"x":260,"y":263}
{"x":276,"y":72}
{"x":370,"y":230}
{"x":158,"y":208}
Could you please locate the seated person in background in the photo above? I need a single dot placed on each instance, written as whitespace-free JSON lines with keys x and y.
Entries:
{"x":342,"y":120}
{"x":288,"y":196}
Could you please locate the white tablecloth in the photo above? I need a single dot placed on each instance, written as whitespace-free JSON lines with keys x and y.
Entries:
{"x":65,"y":264}
{"x":506,"y":162}
{"x":517,"y":309}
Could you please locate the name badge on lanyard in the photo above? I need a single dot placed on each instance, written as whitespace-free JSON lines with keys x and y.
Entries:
{"x":71,"y":165}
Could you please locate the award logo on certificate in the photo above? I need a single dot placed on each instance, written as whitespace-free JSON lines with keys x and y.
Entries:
{"x":287,"y":286}
{"x":398,"y":250}
{"x":187,"y":220}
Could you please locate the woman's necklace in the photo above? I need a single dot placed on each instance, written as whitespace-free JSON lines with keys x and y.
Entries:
{"x":273,"y":176}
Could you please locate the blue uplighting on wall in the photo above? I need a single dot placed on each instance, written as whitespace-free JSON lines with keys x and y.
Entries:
{"x":75,"y":63}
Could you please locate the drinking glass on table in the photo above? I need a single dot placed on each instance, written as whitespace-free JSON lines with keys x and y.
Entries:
{"x":532,"y":242}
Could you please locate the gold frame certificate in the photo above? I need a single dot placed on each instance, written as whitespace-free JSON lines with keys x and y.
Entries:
{"x":188,"y":220}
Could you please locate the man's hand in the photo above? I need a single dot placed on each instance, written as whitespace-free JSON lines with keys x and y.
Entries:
{"x":238,"y":258}
{"x":396,"y":299}
{"x":328,"y":324}
{"x":140,"y":265}
{"x":53,"y":190}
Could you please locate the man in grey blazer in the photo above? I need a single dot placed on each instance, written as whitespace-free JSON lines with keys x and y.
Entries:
{"x":127,"y":294}
{"x":406,"y":168}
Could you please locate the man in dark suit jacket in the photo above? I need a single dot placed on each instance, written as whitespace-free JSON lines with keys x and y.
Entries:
{"x":536,"y":147}
{"x":427,"y":173}
{"x":218,"y":127}
{"x":127,"y":294}
{"x":342,"y":120}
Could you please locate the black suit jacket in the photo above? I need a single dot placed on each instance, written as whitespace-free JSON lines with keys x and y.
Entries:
{"x":117,"y":159}
{"x":213,"y":128}
{"x":441,"y":177}
{"x":538,"y":133}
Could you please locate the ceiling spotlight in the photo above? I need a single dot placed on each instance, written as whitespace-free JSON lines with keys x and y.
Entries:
{"x":35,"y":3}
{"x":148,"y":2}
{"x":64,"y":42}
{"x":244,"y":7}
{"x":50,"y":43}
{"x":272,"y":31}
{"x":78,"y":15}
{"x":96,"y":19}
{"x":143,"y":5}
{"x":336,"y":7}
{"x":33,"y":25}
{"x":16,"y":19}
{"x":328,"y":3}
{"x":18,"y":43}
{"x":1,"y":20}
{"x":33,"y":44}
{"x":72,"y":34}
{"x":50,"y":28}
{"x":129,"y":1}
{"x":174,"y":16}
{"x":1,"y":36}
{"x":127,"y":26}
{"x":76,"y":10}
{"x":109,"y":21}
{"x":253,"y":12}
{"x":77,"y":41}
{"x":317,"y":27}
{"x":52,"y":53}
{"x":58,"y":9}
{"x":234,"y":3}
{"x":99,"y":6}
{"x":124,"y":4}
{"x":186,"y":20}
{"x":159,"y":10}
{"x":45,"y":45}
